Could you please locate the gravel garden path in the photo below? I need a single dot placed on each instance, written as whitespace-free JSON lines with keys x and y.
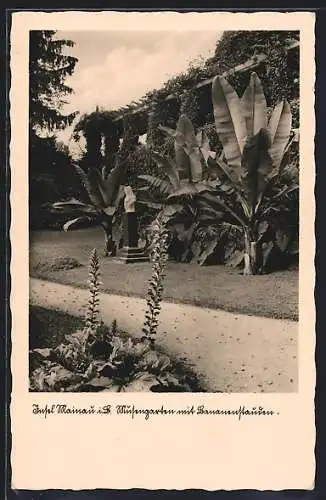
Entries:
{"x":230,"y":352}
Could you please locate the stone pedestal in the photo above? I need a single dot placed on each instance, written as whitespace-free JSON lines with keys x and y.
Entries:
{"x":130,"y":252}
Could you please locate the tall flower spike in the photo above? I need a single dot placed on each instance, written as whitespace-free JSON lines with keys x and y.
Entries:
{"x":159,"y":257}
{"x":92,"y":320}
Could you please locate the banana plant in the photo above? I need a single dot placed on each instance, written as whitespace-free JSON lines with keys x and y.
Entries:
{"x":105,"y":191}
{"x":183,"y":180}
{"x":185,"y":174}
{"x":252,"y":171}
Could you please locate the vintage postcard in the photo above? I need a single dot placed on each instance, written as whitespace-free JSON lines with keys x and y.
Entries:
{"x":162,"y":233}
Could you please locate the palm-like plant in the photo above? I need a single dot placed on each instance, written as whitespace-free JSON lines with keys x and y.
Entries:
{"x":183,"y":181}
{"x":105,"y":191}
{"x":185,"y":173}
{"x":253,"y":173}
{"x":249,"y":186}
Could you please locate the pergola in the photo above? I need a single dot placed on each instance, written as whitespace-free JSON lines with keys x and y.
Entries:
{"x":142,"y":119}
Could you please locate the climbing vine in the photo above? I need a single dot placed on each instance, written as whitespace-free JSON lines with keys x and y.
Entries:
{"x":157,"y":115}
{"x":129,"y":144}
{"x":278,"y":72}
{"x":190,"y":106}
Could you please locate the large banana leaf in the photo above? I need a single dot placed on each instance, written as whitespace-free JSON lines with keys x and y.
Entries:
{"x":105,"y":171}
{"x":181,"y":157}
{"x":203,"y":143}
{"x":229,"y":121}
{"x":91,"y":187}
{"x":235,"y":259}
{"x":190,"y":189}
{"x":254,"y":107}
{"x":168,"y":167}
{"x":225,"y":173}
{"x":188,"y":155}
{"x":164,"y":186}
{"x":279,"y":128}
{"x":170,"y":210}
{"x":150,"y":204}
{"x":208,"y":213}
{"x":77,"y":223}
{"x":185,"y":189}
{"x":227,"y":184}
{"x":257,"y":166}
{"x":95,"y":179}
{"x":113,"y":182}
{"x":74,"y":206}
{"x":202,"y":140}
{"x":216,"y":201}
{"x":191,"y":148}
{"x":182,"y":161}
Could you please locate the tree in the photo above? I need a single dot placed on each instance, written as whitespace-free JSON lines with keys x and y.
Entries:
{"x":49,"y":164}
{"x":48,"y":69}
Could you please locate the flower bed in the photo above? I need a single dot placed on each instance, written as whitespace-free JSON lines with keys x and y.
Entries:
{"x":111,"y":362}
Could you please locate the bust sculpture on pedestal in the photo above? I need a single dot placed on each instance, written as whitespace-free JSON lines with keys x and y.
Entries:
{"x":130,"y":251}
{"x":130,"y":200}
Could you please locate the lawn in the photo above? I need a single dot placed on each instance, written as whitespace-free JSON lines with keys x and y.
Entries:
{"x":274,"y":295}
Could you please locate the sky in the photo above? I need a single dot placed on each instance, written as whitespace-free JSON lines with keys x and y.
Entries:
{"x":115,"y":67}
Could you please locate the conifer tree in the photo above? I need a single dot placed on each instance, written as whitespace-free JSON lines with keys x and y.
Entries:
{"x":48,"y":68}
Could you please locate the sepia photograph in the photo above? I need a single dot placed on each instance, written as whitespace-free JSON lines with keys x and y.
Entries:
{"x":164,"y":211}
{"x":162,"y":238}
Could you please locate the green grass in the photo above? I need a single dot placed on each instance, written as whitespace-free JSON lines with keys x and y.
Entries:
{"x":274,"y":295}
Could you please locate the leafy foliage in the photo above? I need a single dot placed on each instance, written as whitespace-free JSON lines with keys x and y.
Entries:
{"x":242,"y":192}
{"x":51,"y":177}
{"x":48,"y":68}
{"x":278,"y":74}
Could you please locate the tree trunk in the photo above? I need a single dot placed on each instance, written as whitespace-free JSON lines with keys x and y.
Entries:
{"x":251,"y":255}
{"x":109,"y":245}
